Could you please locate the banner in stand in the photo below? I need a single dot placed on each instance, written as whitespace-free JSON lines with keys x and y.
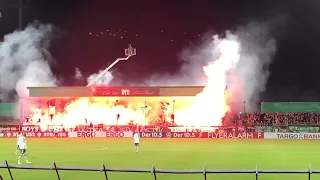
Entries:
{"x":304,"y":129}
{"x":271,"y":128}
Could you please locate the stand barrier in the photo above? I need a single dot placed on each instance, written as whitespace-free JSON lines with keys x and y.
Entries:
{"x":155,"y":171}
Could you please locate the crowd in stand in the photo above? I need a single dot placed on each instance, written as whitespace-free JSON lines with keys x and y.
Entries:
{"x":258,"y":119}
{"x":264,"y":119}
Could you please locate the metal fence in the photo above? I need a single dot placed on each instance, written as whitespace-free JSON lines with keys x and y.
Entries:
{"x":155,"y":171}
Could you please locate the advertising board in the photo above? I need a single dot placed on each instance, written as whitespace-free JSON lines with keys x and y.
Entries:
{"x":82,"y":134}
{"x":292,"y":135}
{"x":173,"y":135}
{"x":129,"y":134}
{"x":119,"y":134}
{"x":224,"y":135}
{"x":186,"y":134}
{"x":152,"y":135}
{"x":236,"y":135}
{"x":13,"y":134}
{"x":99,"y":134}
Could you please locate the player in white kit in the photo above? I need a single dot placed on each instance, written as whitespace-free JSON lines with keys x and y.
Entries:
{"x":136,"y":139}
{"x":23,"y":149}
{"x":18,"y":137}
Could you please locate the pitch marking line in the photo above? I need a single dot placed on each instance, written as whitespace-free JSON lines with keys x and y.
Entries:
{"x":230,"y":150}
{"x":185,"y":150}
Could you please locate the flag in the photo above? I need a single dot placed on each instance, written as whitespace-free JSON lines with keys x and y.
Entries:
{"x":51,"y":106}
{"x":51,"y":102}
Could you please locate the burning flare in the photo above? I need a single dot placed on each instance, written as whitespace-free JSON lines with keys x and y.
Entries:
{"x":211,"y":104}
{"x":206,"y":109}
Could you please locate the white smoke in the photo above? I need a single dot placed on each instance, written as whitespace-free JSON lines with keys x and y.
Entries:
{"x":250,"y":74}
{"x":100,"y":80}
{"x":190,"y":74}
{"x":24,"y":61}
{"x":77,"y":73}
{"x":257,"y":50}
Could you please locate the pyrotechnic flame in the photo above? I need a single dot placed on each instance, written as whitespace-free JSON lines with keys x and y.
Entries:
{"x":104,"y":110}
{"x":206,"y":109}
{"x":211,"y":104}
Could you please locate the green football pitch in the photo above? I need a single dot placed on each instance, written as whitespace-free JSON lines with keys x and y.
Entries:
{"x":164,"y":154}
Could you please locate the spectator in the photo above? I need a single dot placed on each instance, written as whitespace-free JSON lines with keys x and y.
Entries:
{"x":279,"y":119}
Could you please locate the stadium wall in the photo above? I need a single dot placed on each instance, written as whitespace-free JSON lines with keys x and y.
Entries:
{"x":9,"y":110}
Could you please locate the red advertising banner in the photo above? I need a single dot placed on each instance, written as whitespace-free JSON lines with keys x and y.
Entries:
{"x":185,"y":134}
{"x":236,"y":135}
{"x":126,"y":134}
{"x":9,"y":128}
{"x":106,"y":91}
{"x":225,"y":135}
{"x":152,"y":134}
{"x":119,"y":134}
{"x":11,"y":134}
{"x":103,"y":134}
{"x":84,"y":134}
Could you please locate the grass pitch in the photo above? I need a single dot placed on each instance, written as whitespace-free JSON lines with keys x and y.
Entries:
{"x":164,"y":154}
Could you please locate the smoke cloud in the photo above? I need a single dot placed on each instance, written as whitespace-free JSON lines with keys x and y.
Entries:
{"x":248,"y":77}
{"x":100,"y":79}
{"x":24,"y":61}
{"x":77,"y":73}
{"x":257,"y":50}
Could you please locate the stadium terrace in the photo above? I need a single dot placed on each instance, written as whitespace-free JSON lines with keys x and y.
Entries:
{"x":72,"y":107}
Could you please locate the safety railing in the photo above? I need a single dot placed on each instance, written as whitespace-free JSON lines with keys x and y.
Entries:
{"x":155,"y":171}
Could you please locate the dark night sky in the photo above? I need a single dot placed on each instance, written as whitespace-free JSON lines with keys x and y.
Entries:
{"x":161,"y":29}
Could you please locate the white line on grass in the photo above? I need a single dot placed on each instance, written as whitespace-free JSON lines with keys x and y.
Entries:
{"x":160,"y":149}
{"x":231,"y":150}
